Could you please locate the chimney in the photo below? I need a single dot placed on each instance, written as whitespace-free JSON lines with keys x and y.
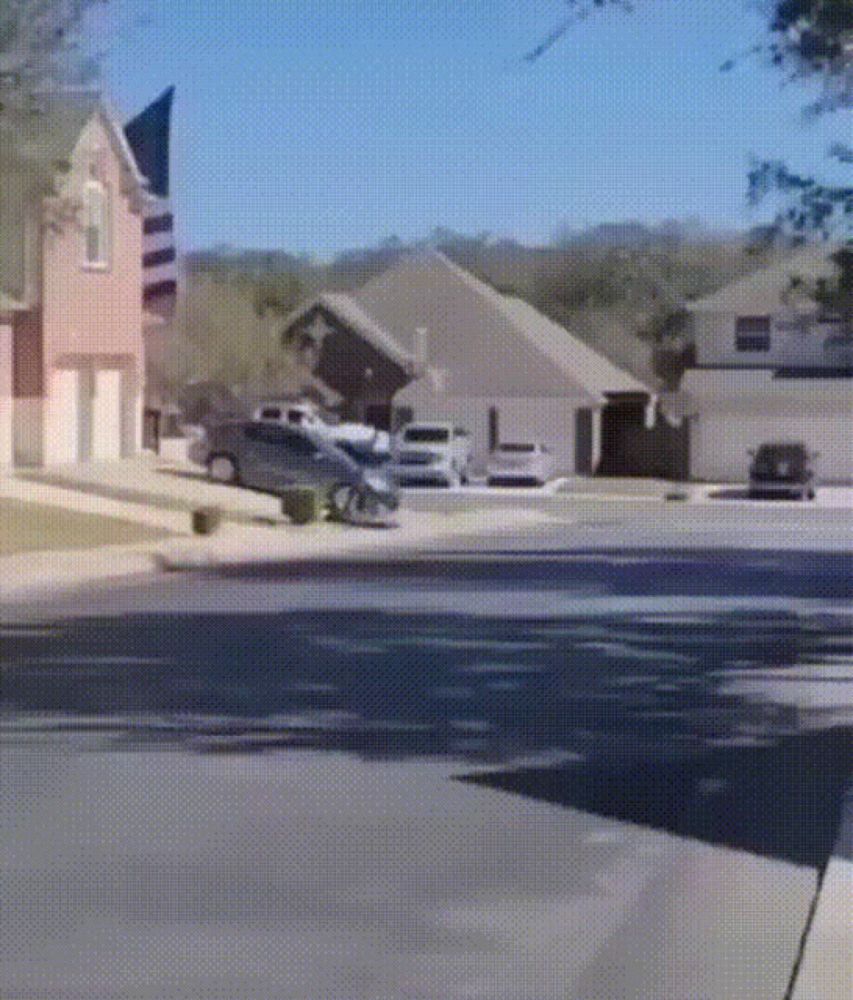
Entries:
{"x":421,"y":345}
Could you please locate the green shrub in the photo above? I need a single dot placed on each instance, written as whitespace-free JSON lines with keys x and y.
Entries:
{"x":301,"y":504}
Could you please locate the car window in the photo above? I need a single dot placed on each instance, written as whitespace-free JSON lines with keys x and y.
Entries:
{"x":427,"y":435}
{"x":461,"y":432}
{"x":517,"y":448}
{"x":283,"y":437}
{"x":264,"y":433}
{"x":298,"y":444}
{"x":271,"y":413}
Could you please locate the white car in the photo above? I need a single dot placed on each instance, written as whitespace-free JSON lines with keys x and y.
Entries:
{"x":307,"y":416}
{"x":520,"y":464}
{"x":432,"y":454}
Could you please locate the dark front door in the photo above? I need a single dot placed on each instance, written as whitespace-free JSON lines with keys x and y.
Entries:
{"x":378,"y":415}
{"x":151,"y":430}
{"x":494,"y":428}
{"x":583,"y":442}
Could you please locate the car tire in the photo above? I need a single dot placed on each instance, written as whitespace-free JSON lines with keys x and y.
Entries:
{"x":223,"y":469}
{"x":366,"y":508}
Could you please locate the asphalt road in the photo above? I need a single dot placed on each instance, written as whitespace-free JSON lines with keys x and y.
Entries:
{"x":603,"y":759}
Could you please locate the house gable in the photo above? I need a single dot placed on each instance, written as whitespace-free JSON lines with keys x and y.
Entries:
{"x":36,"y":160}
{"x":762,"y":322}
{"x":343,"y":354}
{"x":93,"y":306}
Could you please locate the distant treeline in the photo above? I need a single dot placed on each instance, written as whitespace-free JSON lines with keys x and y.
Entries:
{"x":621,"y":287}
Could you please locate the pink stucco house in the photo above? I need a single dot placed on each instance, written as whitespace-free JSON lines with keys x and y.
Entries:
{"x":72,"y":205}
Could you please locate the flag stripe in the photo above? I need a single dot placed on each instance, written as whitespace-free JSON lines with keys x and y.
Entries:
{"x":158,"y":290}
{"x":156,"y":257}
{"x":158,"y":224}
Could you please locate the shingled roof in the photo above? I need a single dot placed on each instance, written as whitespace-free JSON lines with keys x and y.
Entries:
{"x":765,"y":292}
{"x":474,"y":332}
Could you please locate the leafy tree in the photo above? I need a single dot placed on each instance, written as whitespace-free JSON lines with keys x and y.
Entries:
{"x":41,"y":48}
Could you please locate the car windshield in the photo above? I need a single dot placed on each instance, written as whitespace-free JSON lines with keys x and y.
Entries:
{"x":517,"y":448}
{"x":427,"y":435}
{"x":780,"y":460}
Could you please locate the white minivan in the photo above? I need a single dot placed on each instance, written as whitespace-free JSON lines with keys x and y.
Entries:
{"x":432,"y":454}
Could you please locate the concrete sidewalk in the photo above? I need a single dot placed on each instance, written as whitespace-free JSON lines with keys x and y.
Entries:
{"x":826,"y":966}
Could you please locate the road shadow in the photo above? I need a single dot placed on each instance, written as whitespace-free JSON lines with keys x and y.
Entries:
{"x":640,"y":572}
{"x":641,"y":705}
{"x":734,"y":493}
{"x":781,"y":801}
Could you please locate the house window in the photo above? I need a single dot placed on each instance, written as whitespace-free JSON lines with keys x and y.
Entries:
{"x":752,"y":333}
{"x":97,"y":224}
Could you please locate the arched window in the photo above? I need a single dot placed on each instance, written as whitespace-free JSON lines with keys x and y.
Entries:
{"x":96,"y":208}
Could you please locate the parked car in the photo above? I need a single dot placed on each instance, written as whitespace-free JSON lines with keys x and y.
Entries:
{"x":432,"y":454}
{"x":519,"y":464}
{"x":269,"y":457}
{"x":307,"y":415}
{"x":783,"y":468}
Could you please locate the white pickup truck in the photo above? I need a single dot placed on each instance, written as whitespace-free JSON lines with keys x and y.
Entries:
{"x":306,"y":415}
{"x":432,"y":454}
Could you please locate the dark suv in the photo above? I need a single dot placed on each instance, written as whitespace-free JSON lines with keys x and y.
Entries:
{"x":783,"y":468}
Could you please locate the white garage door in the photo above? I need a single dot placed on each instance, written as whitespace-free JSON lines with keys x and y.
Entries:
{"x":720,"y":442}
{"x":106,"y":415}
{"x":66,"y":445}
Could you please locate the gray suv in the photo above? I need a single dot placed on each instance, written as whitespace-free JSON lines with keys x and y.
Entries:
{"x":271,"y":457}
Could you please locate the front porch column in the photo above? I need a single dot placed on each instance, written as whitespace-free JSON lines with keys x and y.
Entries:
{"x":595,"y":448}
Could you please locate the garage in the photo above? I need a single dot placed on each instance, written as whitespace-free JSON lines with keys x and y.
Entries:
{"x":89,"y":413}
{"x":66,"y":439}
{"x":106,"y":406}
{"x":732,"y":413}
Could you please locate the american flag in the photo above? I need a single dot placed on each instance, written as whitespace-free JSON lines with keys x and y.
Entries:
{"x":148,"y":137}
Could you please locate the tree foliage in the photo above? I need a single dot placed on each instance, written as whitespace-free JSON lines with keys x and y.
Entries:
{"x":815,"y":38}
{"x":41,"y":47}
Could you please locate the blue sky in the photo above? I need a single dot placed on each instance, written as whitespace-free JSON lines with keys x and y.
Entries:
{"x":319,"y":125}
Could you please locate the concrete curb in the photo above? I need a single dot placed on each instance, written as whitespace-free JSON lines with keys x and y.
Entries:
{"x":825,"y":967}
